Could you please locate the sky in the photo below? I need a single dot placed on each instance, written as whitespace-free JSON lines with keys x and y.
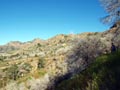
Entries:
{"x":25,"y":20}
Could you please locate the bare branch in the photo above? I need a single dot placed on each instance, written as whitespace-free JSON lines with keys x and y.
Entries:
{"x":113,"y":9}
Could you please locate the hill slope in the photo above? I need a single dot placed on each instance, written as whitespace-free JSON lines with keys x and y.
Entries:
{"x":102,"y":74}
{"x":44,"y":62}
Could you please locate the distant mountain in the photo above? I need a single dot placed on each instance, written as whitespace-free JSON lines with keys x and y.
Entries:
{"x":17,"y":45}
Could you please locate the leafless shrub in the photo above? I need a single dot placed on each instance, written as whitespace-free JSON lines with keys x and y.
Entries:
{"x":85,"y":51}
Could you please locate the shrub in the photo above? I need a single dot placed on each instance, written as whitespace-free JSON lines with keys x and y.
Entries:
{"x":39,"y":45}
{"x":27,"y":67}
{"x":41,"y":63}
{"x":12,"y":72}
{"x":2,"y":58}
{"x":87,"y":49}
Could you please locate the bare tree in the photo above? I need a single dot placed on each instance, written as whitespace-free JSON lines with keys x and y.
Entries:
{"x":84,"y":52}
{"x":113,"y":9}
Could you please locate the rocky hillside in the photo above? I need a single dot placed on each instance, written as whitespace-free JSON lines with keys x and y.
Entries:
{"x":102,"y":74}
{"x":40,"y":64}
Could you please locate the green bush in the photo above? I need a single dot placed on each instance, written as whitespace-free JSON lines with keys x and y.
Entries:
{"x":2,"y":58}
{"x":41,"y":63}
{"x":12,"y":72}
{"x":39,"y":45}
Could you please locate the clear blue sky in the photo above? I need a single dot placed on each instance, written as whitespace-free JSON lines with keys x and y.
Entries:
{"x":24,"y":20}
